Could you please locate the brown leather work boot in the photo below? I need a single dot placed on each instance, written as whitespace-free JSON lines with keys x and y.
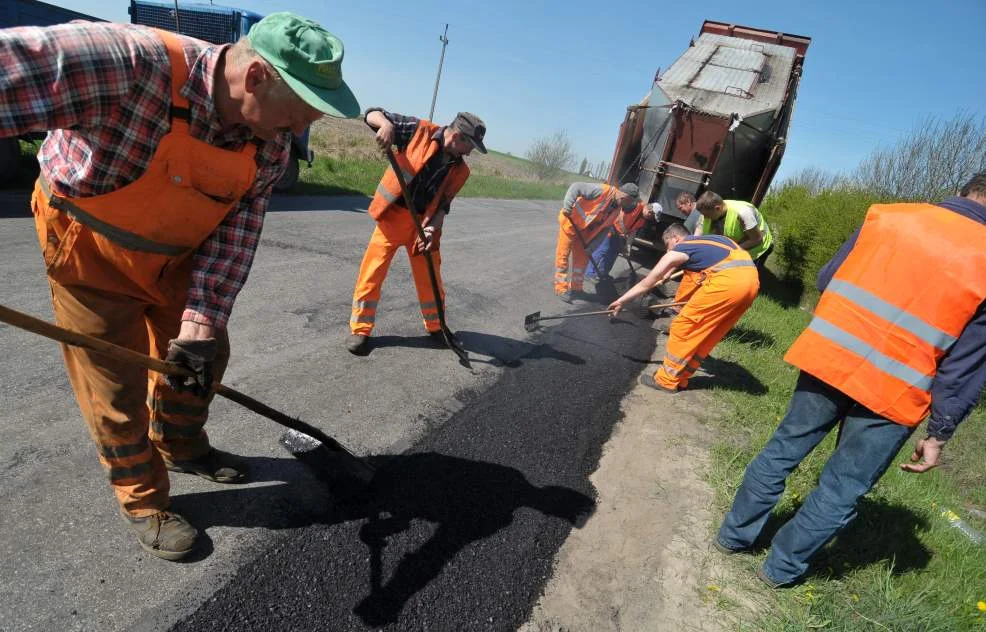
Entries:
{"x":164,"y":534}
{"x":215,"y":465}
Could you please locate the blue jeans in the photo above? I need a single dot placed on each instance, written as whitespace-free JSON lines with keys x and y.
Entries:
{"x":606,"y":254}
{"x":868,"y":444}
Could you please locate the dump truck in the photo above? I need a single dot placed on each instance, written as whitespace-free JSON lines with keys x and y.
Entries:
{"x":717,"y":119}
{"x":218,"y":25}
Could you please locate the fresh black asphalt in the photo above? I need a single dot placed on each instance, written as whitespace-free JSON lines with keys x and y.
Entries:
{"x":462,"y":528}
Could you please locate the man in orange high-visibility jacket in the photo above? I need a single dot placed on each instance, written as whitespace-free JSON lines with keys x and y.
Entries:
{"x":155,"y":178}
{"x":591,"y":209}
{"x":889,"y":342}
{"x":431,"y":158}
{"x":725,"y":285}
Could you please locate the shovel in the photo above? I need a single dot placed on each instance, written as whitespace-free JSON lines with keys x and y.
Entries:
{"x":450,"y":340}
{"x":332,"y":462}
{"x":605,"y":286}
{"x":531,"y":320}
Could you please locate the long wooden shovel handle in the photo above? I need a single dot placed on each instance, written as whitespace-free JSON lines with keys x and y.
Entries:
{"x":662,"y":305}
{"x":76,"y":339}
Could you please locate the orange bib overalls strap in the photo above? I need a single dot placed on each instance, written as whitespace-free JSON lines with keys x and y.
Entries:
{"x":119,"y":267}
{"x":420,"y":149}
{"x":129,"y":240}
{"x":887,"y":317}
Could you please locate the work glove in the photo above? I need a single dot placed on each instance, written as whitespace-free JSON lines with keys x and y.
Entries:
{"x":196,"y":356}
{"x":432,"y":238}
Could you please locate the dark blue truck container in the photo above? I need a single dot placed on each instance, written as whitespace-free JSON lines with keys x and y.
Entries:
{"x":28,"y":13}
{"x":219,"y":25}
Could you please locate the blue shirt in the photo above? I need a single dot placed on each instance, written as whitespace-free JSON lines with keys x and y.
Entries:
{"x":704,"y":256}
{"x":961,"y":374}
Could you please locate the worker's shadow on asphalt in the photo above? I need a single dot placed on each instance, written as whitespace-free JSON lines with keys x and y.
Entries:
{"x":464,"y":500}
{"x":483,"y":348}
{"x":882,"y":533}
{"x":423,"y":509}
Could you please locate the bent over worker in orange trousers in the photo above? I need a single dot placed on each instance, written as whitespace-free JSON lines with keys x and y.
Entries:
{"x":723,"y":283}
{"x":431,"y":159}
{"x":147,"y":237}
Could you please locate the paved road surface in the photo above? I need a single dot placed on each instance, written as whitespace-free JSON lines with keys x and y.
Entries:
{"x":483,"y":472}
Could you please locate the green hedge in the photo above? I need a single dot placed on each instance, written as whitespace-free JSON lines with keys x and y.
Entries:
{"x":810,"y":228}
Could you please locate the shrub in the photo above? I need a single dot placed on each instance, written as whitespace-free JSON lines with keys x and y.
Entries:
{"x":810,"y":228}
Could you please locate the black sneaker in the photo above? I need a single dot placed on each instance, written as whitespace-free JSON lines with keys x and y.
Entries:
{"x":164,"y":534}
{"x":765,"y":578}
{"x":358,"y":344}
{"x":215,"y":465}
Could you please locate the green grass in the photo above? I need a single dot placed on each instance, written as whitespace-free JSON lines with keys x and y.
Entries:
{"x":351,"y":176}
{"x":899,"y":565}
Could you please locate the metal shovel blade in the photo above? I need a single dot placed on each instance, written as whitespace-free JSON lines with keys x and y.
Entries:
{"x":531,"y":321}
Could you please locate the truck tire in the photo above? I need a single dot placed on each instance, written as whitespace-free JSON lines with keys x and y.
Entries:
{"x":289,"y":178}
{"x":10,"y":158}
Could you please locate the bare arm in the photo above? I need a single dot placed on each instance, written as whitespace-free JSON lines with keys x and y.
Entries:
{"x":751,"y":238}
{"x":671,"y":261}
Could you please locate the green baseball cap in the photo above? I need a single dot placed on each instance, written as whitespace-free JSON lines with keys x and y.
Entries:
{"x":308,"y":58}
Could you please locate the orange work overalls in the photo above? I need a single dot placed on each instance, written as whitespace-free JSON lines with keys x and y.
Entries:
{"x":718,"y":298}
{"x":592,"y":218}
{"x":119,"y":266}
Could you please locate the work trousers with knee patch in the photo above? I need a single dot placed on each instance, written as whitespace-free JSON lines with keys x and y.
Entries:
{"x":133,"y":416}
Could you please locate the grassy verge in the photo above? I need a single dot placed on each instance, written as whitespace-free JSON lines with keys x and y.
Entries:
{"x":899,"y":565}
{"x":353,"y":176}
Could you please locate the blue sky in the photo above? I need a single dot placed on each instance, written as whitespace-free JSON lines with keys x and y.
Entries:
{"x":873,"y":72}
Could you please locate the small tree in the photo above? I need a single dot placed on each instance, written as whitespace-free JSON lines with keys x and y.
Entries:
{"x":551,"y":154}
{"x":930,"y":163}
{"x":584,"y":167}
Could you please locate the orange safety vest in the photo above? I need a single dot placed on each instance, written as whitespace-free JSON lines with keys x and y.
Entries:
{"x":137,"y":240}
{"x":630,"y":221}
{"x":888,"y":317}
{"x":593,"y":217}
{"x":418,"y":152}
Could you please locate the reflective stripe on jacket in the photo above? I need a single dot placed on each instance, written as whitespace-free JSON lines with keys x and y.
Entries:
{"x":909,"y":286}
{"x":594,"y":216}
{"x":421,"y":148}
{"x":732,"y":227}
{"x":134,"y":239}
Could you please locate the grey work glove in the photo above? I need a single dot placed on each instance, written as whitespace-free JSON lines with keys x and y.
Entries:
{"x":196,"y":356}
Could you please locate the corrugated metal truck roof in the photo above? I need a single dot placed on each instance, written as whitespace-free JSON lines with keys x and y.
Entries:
{"x":722,"y":75}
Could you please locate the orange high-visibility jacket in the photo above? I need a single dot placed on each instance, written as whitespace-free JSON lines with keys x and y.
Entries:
{"x":593,"y":217}
{"x":630,"y":221}
{"x":417,"y":153}
{"x":912,"y":282}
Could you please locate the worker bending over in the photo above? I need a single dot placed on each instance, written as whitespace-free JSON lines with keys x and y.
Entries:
{"x":724,"y":282}
{"x":588,"y":211}
{"x":740,"y":221}
{"x":156,"y":173}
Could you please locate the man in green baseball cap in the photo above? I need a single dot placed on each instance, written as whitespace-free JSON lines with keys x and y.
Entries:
{"x":309,"y":60}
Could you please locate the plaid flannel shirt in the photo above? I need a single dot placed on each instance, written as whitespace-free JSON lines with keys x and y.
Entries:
{"x":104,"y":91}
